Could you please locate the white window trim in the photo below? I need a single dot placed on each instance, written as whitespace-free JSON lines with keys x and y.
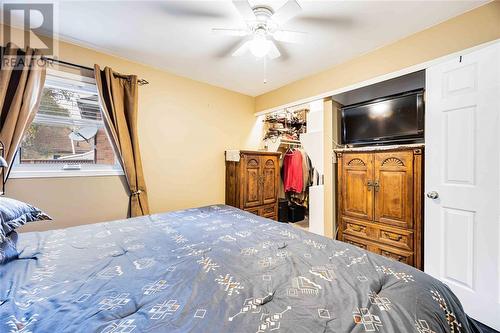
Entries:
{"x":70,"y":76}
{"x":56,"y":170}
{"x":19,"y":171}
{"x":23,"y":173}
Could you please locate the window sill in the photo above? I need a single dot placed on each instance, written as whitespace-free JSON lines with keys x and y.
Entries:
{"x":63,"y":173}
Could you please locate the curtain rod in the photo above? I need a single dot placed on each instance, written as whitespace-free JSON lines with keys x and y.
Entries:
{"x":140,"y":82}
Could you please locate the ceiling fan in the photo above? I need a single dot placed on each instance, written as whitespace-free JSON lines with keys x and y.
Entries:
{"x":263,"y":28}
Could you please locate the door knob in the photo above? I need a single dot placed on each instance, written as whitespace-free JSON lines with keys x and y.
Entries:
{"x":433,"y":195}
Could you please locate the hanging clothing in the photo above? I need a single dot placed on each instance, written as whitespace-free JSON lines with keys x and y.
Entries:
{"x":301,"y":198}
{"x":305,"y":170}
{"x":293,"y":174}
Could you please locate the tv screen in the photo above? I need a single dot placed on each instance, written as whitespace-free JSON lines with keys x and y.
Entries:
{"x":398,"y":118}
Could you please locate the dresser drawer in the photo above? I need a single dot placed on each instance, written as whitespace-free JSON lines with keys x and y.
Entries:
{"x":268,"y":211}
{"x":386,"y":251}
{"x":395,"y":237}
{"x":253,"y":210}
{"x":355,"y":227}
{"x":271,"y":216}
{"x":361,"y":243}
{"x":387,"y":235}
{"x":396,"y":254}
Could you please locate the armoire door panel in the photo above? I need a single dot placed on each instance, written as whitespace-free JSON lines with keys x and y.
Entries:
{"x":252,"y":190}
{"x":270,"y":171}
{"x":357,"y":193}
{"x":393,"y":187}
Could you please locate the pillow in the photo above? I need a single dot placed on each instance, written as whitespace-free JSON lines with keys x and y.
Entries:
{"x":8,"y":251}
{"x":14,"y":213}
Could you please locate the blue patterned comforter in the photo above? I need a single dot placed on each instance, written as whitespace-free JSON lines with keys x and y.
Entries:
{"x":213,"y":269}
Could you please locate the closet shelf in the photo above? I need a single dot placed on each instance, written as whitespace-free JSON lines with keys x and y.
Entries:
{"x":285,"y":121}
{"x":290,"y":141}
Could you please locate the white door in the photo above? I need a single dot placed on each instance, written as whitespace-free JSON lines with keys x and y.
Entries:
{"x":462,"y":180}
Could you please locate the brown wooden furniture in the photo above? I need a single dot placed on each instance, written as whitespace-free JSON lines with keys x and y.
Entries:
{"x":252,"y":183}
{"x":380,"y":201}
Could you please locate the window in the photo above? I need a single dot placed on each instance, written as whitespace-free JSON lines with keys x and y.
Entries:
{"x":67,"y":136}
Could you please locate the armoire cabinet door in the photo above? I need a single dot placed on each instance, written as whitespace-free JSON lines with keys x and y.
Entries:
{"x":357,"y":193}
{"x":252,"y":191}
{"x":270,"y":178}
{"x":393,"y":186}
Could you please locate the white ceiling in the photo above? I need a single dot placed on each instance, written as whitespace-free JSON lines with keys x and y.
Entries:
{"x":176,"y":35}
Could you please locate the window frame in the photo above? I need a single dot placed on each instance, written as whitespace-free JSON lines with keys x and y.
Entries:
{"x":49,"y":170}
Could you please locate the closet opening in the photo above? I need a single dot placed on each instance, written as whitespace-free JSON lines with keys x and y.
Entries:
{"x":297,"y":134}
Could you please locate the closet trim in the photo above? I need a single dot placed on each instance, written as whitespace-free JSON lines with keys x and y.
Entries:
{"x":377,"y":79}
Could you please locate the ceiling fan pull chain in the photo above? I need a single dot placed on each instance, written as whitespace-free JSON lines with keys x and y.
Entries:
{"x":265,"y":69}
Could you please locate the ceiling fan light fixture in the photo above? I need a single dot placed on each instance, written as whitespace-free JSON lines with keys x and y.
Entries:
{"x":260,"y":46}
{"x":263,"y":28}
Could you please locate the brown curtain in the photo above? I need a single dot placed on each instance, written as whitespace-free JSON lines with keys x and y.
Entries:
{"x":22,"y":77}
{"x":118,"y":98}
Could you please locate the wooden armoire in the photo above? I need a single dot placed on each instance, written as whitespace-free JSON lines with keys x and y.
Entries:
{"x":379,"y":196}
{"x":252,"y":183}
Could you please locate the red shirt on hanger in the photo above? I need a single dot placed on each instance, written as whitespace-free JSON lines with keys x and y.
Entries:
{"x":293,"y":177}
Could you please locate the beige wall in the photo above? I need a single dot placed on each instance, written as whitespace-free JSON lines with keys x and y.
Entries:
{"x":472,"y":28}
{"x":184,"y":128}
{"x":72,"y":201}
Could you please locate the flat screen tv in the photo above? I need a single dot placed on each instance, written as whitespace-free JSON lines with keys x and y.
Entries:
{"x":389,"y":120}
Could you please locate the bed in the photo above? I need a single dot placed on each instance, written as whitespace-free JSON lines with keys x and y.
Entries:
{"x":214,"y":269}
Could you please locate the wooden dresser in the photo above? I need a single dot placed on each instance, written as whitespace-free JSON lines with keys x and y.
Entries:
{"x":380,"y":201}
{"x":252,"y":183}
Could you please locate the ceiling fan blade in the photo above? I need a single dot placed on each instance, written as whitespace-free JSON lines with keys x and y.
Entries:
{"x":326,"y":22}
{"x":241,"y":49}
{"x":230,"y":32}
{"x":189,"y":10}
{"x":290,"y":9}
{"x":273,"y":51}
{"x":245,"y":10}
{"x":289,"y":36}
